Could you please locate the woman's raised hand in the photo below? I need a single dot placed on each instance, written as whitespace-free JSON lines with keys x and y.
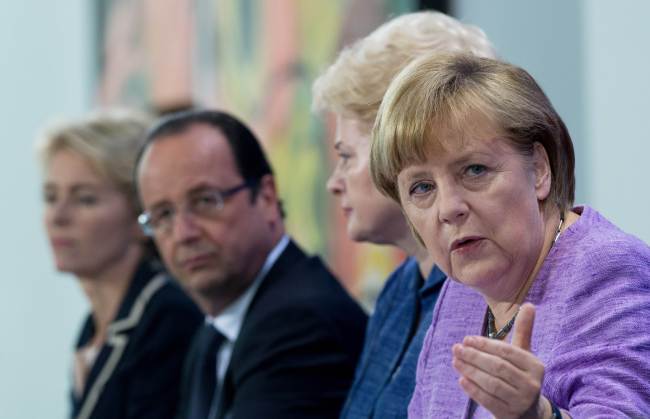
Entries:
{"x":505,"y":378}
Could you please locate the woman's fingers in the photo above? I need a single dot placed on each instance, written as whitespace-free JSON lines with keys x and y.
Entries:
{"x":480,"y":365}
{"x":523,"y":332}
{"x":505,"y":378}
{"x":489,"y":383}
{"x":518,"y":357}
{"x":485,"y":399}
{"x":496,"y":384}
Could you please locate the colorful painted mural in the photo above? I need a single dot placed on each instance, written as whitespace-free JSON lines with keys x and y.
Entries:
{"x":257,"y":59}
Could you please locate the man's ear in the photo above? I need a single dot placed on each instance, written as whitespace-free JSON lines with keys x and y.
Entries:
{"x":267,"y":197}
{"x":543,"y":174}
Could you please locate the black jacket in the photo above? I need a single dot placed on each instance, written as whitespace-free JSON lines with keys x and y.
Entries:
{"x":137,"y":372}
{"x":298,"y":347}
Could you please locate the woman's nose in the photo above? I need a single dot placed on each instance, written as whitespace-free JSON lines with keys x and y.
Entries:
{"x":335,"y":184}
{"x":452,"y":206}
{"x":58,"y":213}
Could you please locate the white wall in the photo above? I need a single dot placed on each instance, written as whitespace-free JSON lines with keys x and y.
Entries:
{"x":44,"y":72}
{"x":591,"y":57}
{"x":544,"y":38}
{"x":617,"y":57}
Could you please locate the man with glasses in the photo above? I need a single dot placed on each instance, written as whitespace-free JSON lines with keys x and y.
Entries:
{"x":282,"y":337}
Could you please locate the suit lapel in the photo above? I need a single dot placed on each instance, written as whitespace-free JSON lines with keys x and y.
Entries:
{"x":129,"y":315}
{"x":287,"y":261}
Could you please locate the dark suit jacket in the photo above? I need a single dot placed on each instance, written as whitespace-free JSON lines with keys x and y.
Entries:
{"x":298,"y":347}
{"x":137,"y":372}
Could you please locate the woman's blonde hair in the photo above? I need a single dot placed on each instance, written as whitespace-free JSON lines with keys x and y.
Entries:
{"x":109,"y":140}
{"x":353,"y":86}
{"x":441,"y":93}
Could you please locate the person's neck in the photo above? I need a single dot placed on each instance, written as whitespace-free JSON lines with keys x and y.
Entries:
{"x":409,"y":244}
{"x":106,"y":289}
{"x":215,"y":302}
{"x":504,"y":308}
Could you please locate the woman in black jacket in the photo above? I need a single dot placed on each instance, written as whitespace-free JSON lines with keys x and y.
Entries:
{"x":130,"y":352}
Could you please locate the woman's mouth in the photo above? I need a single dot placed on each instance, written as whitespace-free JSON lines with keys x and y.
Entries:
{"x":61,"y":242}
{"x":466,"y":244}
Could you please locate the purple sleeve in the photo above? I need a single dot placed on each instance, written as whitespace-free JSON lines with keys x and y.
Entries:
{"x":601,"y":362}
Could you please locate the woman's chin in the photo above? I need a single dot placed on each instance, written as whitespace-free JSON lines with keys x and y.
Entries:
{"x":62,"y":266}
{"x":364,"y":234}
{"x":481,"y":278}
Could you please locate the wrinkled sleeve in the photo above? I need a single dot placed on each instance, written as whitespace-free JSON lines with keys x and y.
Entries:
{"x":602,"y":364}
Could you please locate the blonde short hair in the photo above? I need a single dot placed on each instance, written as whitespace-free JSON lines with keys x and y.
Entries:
{"x":353,"y":86}
{"x":440,"y":92}
{"x":109,"y":140}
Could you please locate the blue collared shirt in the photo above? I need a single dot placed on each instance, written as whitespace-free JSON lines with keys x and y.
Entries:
{"x":385,"y":376}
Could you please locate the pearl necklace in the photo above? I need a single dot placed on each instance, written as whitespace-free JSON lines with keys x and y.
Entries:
{"x":491,"y":332}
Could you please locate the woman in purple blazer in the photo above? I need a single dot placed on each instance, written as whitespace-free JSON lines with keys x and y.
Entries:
{"x":482,"y":166}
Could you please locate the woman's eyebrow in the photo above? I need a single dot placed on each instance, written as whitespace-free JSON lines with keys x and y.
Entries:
{"x":83,"y":186}
{"x":416,"y":173}
{"x":472,"y":155}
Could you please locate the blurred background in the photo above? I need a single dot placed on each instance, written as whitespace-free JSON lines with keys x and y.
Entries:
{"x":257,"y":59}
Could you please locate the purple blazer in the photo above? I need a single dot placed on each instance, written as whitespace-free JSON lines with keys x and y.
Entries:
{"x":591,"y":331}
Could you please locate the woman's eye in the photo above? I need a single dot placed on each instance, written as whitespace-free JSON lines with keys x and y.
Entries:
{"x":49,"y":197}
{"x":344,"y":158}
{"x":421,"y":188}
{"x":86,"y":199}
{"x":476,"y":169}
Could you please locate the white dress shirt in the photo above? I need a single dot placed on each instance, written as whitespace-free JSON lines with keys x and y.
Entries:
{"x":230,"y":320}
